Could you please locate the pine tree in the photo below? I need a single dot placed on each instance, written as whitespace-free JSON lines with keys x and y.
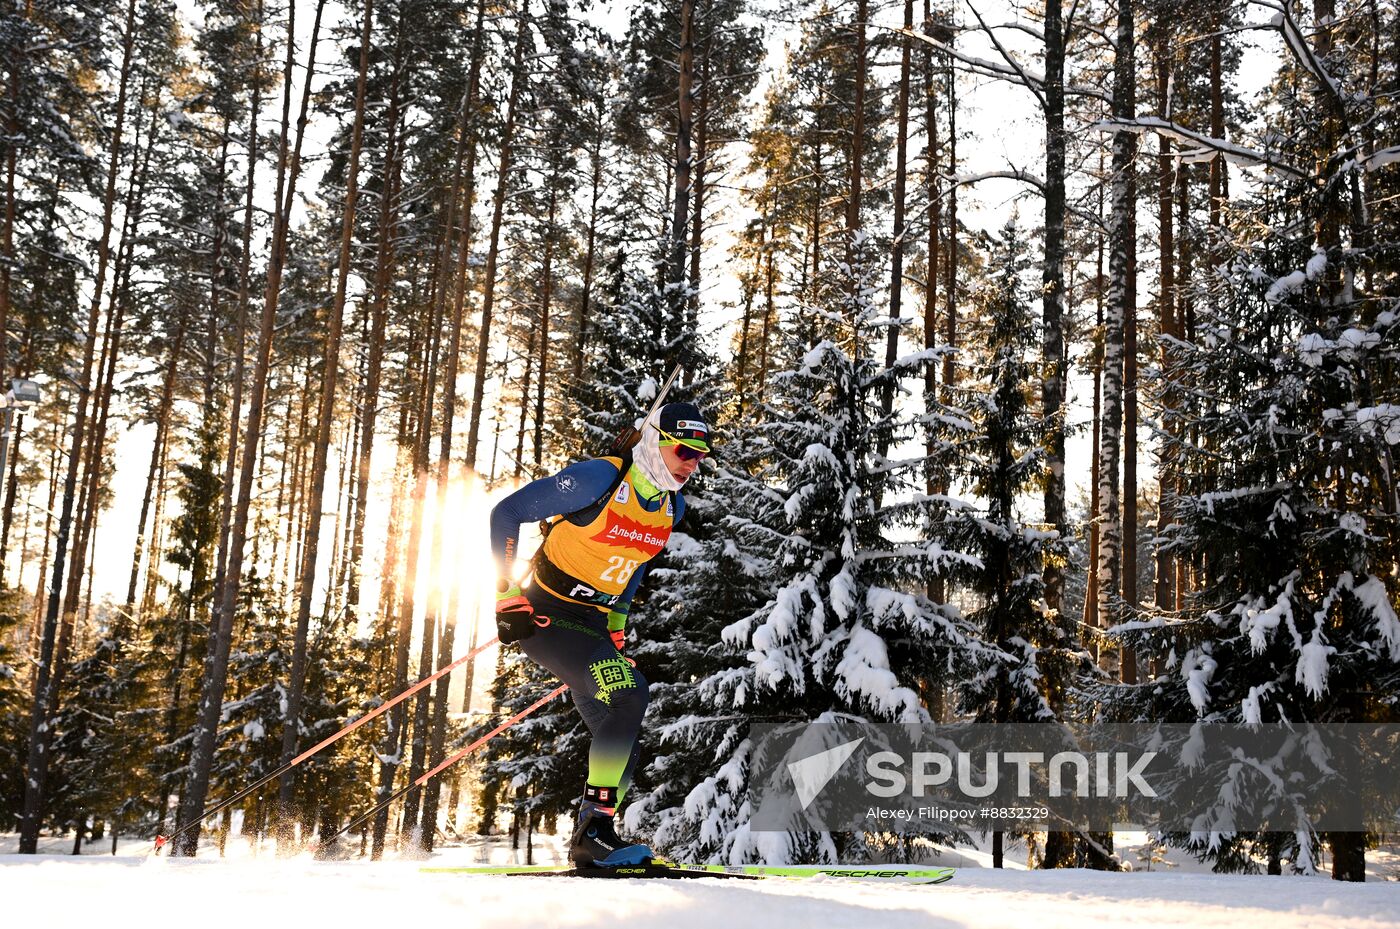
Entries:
{"x":1281,"y":410}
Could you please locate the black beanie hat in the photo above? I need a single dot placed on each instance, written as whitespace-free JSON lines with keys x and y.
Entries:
{"x":683,"y":421}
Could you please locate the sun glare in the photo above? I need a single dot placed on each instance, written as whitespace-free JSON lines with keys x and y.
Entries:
{"x":460,"y":581}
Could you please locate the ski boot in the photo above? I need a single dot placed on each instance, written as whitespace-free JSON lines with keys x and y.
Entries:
{"x":595,"y":844}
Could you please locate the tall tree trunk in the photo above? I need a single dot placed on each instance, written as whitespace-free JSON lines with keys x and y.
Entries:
{"x":330,"y":605}
{"x":379,"y":315}
{"x":167,"y":396}
{"x":391,"y":749}
{"x":1373,"y":90}
{"x":897,"y":246}
{"x":857,"y":152}
{"x":1129,"y":669}
{"x":445,"y":618}
{"x":1330,"y":211}
{"x":697,"y":216}
{"x":742,"y":377}
{"x":55,"y":642}
{"x":330,"y":371}
{"x":157,"y":540}
{"x":1059,"y":844}
{"x":525,"y":386}
{"x":768,"y":320}
{"x":813,"y":288}
{"x":1091,"y":593}
{"x":1053,"y":358}
{"x":936,"y":588}
{"x":432,"y":341}
{"x":1185,"y":313}
{"x":1164,"y":594}
{"x":226,"y":600}
{"x":675,"y":257}
{"x":293,"y":539}
{"x":11,"y":493}
{"x":40,"y":605}
{"x":950,"y":264}
{"x":585,"y":296}
{"x":1219,"y":171}
{"x":241,"y":328}
{"x":546,"y":298}
{"x":1116,"y":312}
{"x":488,"y":299}
{"x":421,"y":721}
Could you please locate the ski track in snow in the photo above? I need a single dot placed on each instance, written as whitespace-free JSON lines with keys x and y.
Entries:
{"x":253,"y":894}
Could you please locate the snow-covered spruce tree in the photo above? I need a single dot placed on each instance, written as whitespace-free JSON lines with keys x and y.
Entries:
{"x":1003,"y":460}
{"x":249,"y":743}
{"x":1287,"y":407}
{"x":14,"y":723}
{"x":1286,"y":515}
{"x":719,"y":568}
{"x":841,"y":629}
{"x":105,"y":734}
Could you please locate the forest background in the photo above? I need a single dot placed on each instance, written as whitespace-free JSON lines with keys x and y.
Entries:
{"x":1050,"y":351}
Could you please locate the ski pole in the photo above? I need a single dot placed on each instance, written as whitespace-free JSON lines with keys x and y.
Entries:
{"x":453,"y":759}
{"x":162,"y":840}
{"x":457,"y":756}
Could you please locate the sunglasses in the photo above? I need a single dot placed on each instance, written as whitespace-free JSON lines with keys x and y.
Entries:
{"x":683,"y":452}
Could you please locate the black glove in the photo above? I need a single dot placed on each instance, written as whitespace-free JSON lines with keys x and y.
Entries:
{"x":515,"y":617}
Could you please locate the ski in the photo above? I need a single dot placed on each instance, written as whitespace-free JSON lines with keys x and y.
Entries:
{"x":911,"y":875}
{"x":645,"y":870}
{"x":681,"y":870}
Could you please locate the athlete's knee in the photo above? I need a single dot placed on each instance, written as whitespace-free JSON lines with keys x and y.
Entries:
{"x":620,"y":686}
{"x":639,"y":694}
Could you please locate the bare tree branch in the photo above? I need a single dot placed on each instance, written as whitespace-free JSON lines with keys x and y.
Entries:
{"x":1033,"y":84}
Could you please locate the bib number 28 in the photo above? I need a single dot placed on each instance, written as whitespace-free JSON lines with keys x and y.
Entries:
{"x":619,"y":569}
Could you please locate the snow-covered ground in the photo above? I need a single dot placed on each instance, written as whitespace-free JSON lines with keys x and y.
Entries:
{"x":261,"y":892}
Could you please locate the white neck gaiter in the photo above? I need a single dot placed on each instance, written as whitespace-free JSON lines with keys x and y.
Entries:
{"x":647,"y":456}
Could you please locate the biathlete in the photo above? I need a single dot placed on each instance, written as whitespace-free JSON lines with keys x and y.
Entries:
{"x":611,"y":517}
